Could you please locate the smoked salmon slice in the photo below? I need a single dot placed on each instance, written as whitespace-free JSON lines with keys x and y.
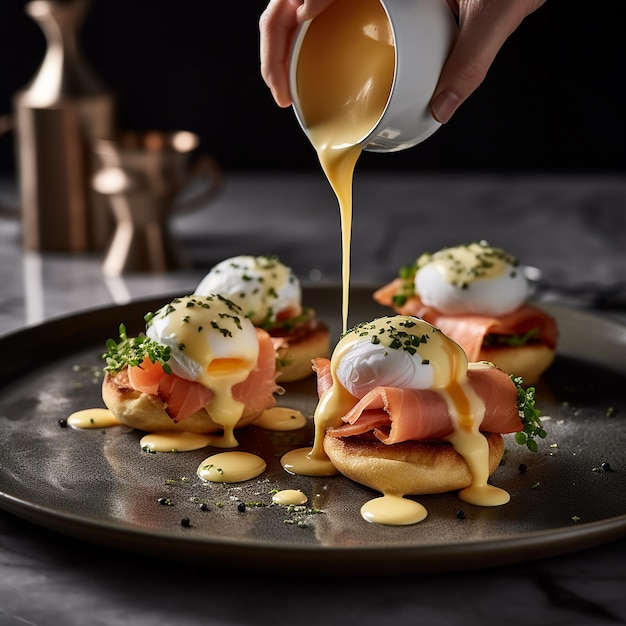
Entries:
{"x":469,"y":331}
{"x":394,"y":415}
{"x":145,"y":377}
{"x":257,"y":391}
{"x":182,"y":398}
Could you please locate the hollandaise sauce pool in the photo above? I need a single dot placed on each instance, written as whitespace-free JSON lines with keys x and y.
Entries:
{"x":344,"y":75}
{"x":231,"y":467}
{"x":92,"y":418}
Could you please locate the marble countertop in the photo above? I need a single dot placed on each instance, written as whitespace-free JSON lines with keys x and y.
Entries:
{"x":573,"y":229}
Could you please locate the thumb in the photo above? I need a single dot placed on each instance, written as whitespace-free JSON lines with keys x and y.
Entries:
{"x":482,"y":32}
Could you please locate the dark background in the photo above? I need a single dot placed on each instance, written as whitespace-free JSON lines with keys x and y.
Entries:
{"x":554,"y":100}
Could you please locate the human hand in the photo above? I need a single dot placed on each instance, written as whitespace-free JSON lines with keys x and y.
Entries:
{"x":484,"y":26}
{"x":277,"y":27}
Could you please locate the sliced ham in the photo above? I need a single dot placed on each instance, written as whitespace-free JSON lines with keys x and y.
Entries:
{"x":469,"y":331}
{"x":394,"y":415}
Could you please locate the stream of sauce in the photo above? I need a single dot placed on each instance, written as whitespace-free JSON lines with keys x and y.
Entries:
{"x":343,"y":91}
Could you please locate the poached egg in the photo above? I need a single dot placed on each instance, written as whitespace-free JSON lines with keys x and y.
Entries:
{"x":472,"y":279}
{"x":397,"y":351}
{"x":405,"y":352}
{"x":262,"y":286}
{"x":211,"y":343}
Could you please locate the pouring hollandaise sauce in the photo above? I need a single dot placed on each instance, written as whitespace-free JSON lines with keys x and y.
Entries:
{"x":344,"y":75}
{"x":386,"y":372}
{"x":342,"y":79}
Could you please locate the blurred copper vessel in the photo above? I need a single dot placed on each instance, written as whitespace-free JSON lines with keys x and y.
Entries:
{"x":149,"y":176}
{"x":58,"y":117}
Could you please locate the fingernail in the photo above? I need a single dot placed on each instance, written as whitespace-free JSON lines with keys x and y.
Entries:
{"x":444,"y":105}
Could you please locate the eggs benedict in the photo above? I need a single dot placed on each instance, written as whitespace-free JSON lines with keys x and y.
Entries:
{"x":270,"y":295}
{"x":477,"y":295}
{"x":201,"y":367}
{"x":399,"y":379}
{"x":403,"y":412}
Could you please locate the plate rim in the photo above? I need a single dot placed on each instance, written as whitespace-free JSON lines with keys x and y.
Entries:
{"x":446,"y":557}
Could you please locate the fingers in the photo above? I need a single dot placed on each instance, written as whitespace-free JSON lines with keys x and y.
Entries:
{"x":308,"y":9}
{"x":484,"y":26}
{"x":277,"y":25}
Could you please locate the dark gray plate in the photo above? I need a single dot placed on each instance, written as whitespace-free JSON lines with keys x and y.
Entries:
{"x":99,"y":486}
